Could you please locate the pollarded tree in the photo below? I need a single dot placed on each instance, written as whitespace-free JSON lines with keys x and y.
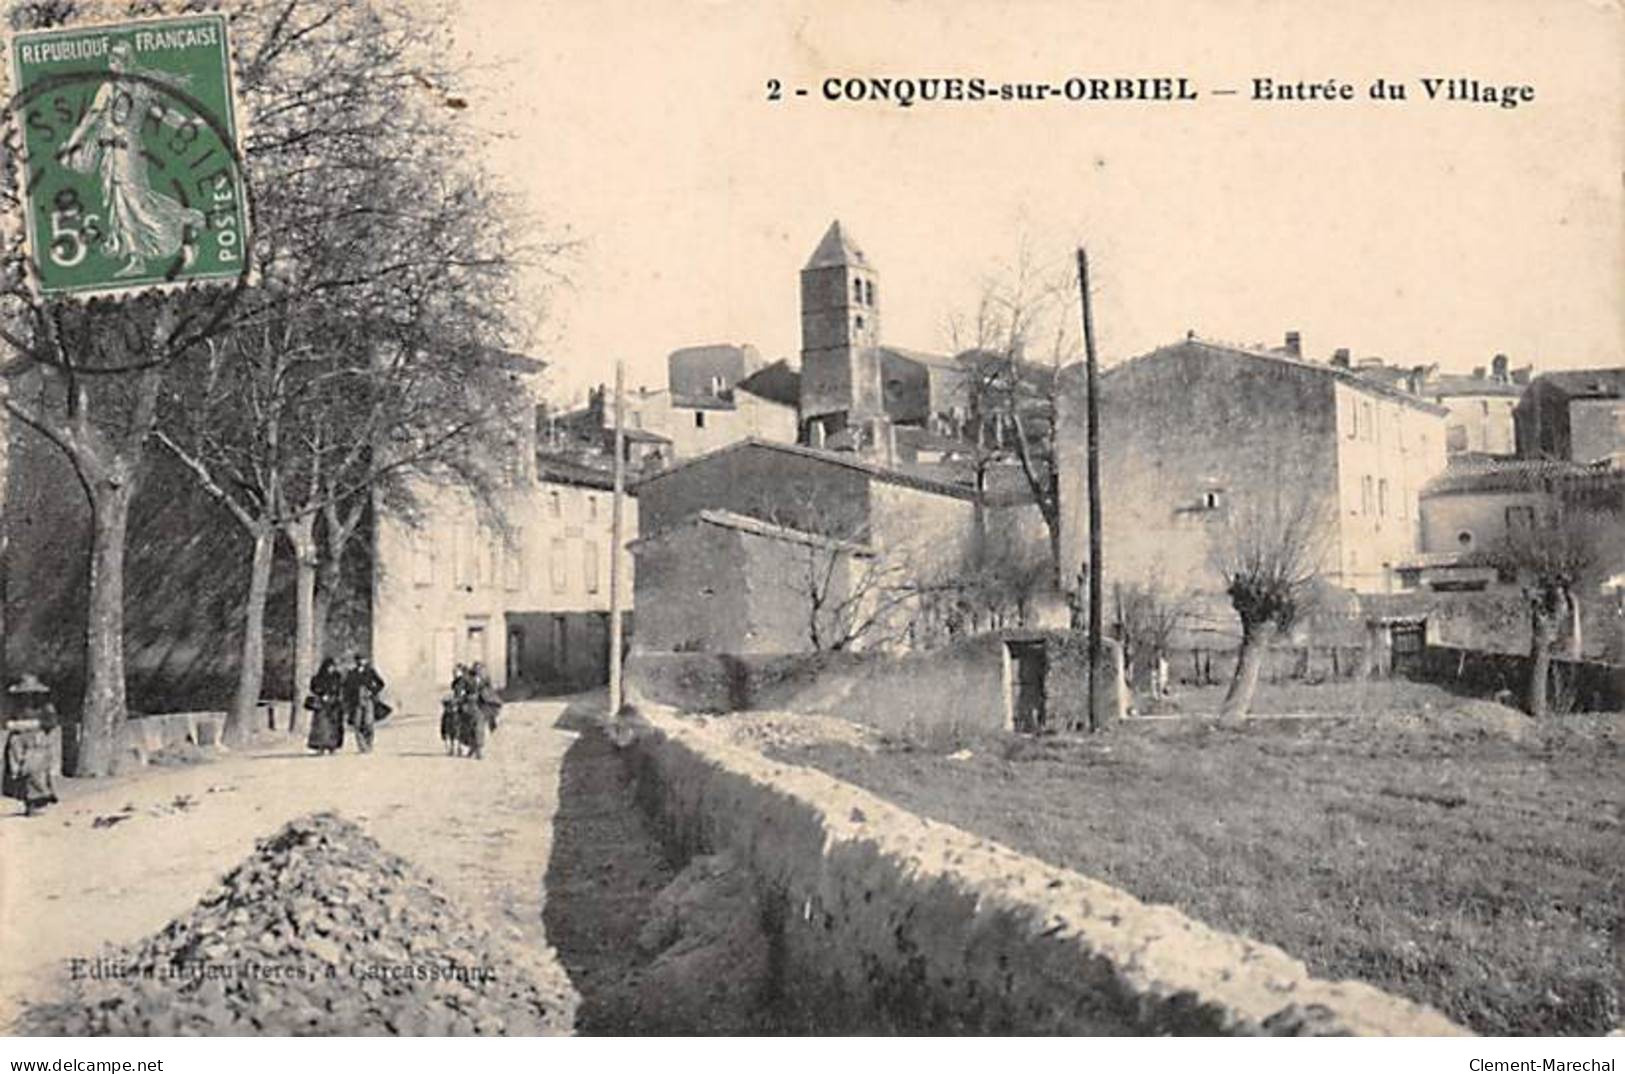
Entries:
{"x":1269,"y":553}
{"x":1554,"y":558}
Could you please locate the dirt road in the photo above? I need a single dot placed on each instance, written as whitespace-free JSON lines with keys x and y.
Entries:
{"x":115,"y":863}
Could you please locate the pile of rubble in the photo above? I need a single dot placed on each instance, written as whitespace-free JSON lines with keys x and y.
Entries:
{"x":321,"y":931}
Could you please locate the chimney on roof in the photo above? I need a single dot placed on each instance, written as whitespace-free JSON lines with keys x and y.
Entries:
{"x":1498,"y":369}
{"x":1522,"y":375}
{"x":1418,"y":379}
{"x":1340,"y":358}
{"x":1294,"y":343}
{"x":1478,"y":372}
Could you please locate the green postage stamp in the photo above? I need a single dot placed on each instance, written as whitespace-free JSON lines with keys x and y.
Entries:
{"x":131,"y":166}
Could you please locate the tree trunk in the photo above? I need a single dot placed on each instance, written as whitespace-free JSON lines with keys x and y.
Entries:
{"x":1574,"y":647}
{"x":1238,"y":700}
{"x":251,"y":674}
{"x":104,"y":709}
{"x":301,"y":534}
{"x":1542,"y":636}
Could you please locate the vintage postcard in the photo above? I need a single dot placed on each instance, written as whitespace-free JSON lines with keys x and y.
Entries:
{"x":813,"y":518}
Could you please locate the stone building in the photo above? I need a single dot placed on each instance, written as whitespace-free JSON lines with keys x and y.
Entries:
{"x":528,"y":595}
{"x":1480,"y":404}
{"x":925,"y":531}
{"x":1197,"y":433}
{"x":714,"y":396}
{"x":1575,"y":414}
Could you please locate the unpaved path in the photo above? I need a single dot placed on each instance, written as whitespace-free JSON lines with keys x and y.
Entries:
{"x":483,"y":829}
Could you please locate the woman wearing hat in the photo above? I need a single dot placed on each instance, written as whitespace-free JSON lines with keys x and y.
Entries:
{"x":31,"y":752}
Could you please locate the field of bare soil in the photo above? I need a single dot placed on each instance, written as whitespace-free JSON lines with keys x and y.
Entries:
{"x":1453,"y":852}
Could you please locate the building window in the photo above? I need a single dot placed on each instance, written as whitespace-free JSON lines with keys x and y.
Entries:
{"x":1354,"y":418}
{"x":422,"y":559}
{"x":1465,"y":538}
{"x":589,"y":565}
{"x":1367,"y":422}
{"x":513,"y":561}
{"x":1382,"y":498}
{"x":699,"y":419}
{"x":1520,"y":518}
{"x":559,"y":568}
{"x":592,"y":508}
{"x":1365,"y":495}
{"x":718,"y":385}
{"x":869,"y":293}
{"x":857,"y":322}
{"x":555,"y":504}
{"x":463,"y":553}
{"x":1212,"y":500}
{"x":857,"y":292}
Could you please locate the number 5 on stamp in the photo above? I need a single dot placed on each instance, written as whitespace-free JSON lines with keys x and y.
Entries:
{"x":131,"y":168}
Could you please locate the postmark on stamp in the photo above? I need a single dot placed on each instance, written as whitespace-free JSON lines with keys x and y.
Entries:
{"x":131,"y":168}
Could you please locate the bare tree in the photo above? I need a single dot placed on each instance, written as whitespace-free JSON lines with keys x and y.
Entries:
{"x":1148,"y":614}
{"x":1269,"y":554}
{"x":390,"y":274}
{"x":851,"y":593}
{"x":87,"y":377}
{"x":1554,"y":558}
{"x":1012,"y":346}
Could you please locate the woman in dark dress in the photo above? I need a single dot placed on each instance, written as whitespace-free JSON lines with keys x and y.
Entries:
{"x":327,"y":708}
{"x":32,"y":749}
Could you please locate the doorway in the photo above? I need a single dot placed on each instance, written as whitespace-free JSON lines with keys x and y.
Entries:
{"x":1028,"y":665}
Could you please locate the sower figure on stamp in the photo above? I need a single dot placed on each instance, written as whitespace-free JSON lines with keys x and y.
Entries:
{"x":32,"y":746}
{"x":141,"y":222}
{"x":362,"y":685}
{"x":326,"y":713}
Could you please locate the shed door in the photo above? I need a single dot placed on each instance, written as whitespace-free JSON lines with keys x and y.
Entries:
{"x":1408,"y":640}
{"x":1027,"y":667}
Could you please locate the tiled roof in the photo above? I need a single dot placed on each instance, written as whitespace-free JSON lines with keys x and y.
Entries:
{"x":1518,"y":475}
{"x":777,"y":382}
{"x":845,"y":460}
{"x":836,"y":249}
{"x":1350,"y":377}
{"x":1452,"y":384}
{"x":745,"y":524}
{"x":1587,"y":383}
{"x":558,"y":470}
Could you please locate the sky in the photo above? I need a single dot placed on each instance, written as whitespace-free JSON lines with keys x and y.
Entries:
{"x":1418,"y":231}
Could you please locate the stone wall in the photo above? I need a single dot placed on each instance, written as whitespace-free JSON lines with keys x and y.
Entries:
{"x":1577,"y":685}
{"x":879,"y":920}
{"x":934,"y":695}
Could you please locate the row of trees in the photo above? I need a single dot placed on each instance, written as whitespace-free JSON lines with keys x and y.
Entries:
{"x":363,"y":361}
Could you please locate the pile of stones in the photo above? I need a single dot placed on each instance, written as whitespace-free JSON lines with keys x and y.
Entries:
{"x":320,"y":932}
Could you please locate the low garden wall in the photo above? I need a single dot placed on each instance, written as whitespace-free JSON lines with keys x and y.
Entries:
{"x":959,"y":688}
{"x":1577,"y":685}
{"x":879,"y":920}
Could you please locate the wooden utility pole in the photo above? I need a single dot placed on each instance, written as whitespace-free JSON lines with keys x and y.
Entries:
{"x":1092,"y":371}
{"x":615,"y":542}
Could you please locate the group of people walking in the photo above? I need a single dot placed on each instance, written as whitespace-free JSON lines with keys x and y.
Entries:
{"x":468,"y":715}
{"x":345,"y":698}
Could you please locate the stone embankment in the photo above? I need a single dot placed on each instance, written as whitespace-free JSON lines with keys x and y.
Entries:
{"x":874,"y":919}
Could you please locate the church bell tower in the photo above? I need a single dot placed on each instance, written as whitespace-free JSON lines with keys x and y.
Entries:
{"x":840,"y":337}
